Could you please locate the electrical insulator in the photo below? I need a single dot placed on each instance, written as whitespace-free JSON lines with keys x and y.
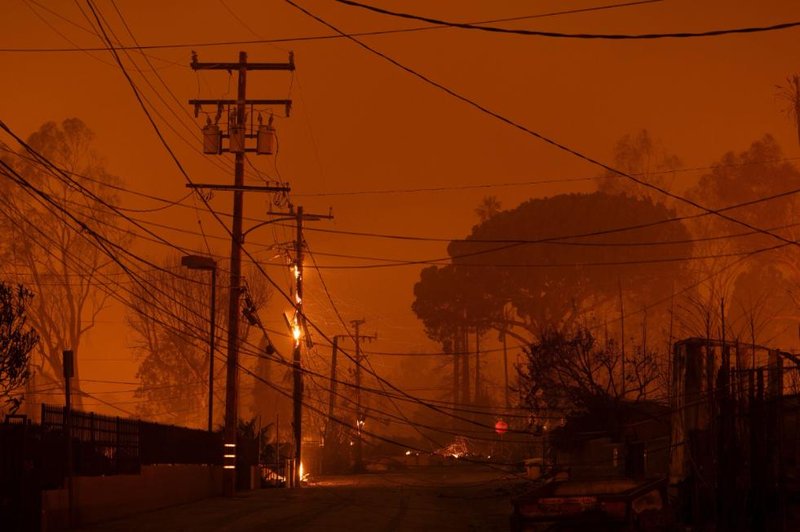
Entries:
{"x":265,"y":140}
{"x":237,"y":139}
{"x":212,"y":139}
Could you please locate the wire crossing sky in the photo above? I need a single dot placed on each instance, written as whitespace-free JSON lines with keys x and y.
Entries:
{"x":404,"y":167}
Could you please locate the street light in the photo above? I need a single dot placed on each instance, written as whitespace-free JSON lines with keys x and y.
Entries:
{"x":199,"y":262}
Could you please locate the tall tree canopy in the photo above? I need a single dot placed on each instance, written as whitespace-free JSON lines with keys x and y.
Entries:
{"x":48,"y":251}
{"x":761,"y":284}
{"x":758,"y":172}
{"x":520,"y":257}
{"x":640,"y":155}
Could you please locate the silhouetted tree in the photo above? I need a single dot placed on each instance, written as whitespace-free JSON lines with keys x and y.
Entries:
{"x":169,"y":316}
{"x":488,"y":207}
{"x":48,"y":251}
{"x":17,"y":340}
{"x":519,"y":257}
{"x":760,"y":171}
{"x":763,"y":306}
{"x":438,"y":303}
{"x":567,"y":372}
{"x":644,"y":157}
{"x":791,"y":93}
{"x":516,"y":272}
{"x":729,"y":250}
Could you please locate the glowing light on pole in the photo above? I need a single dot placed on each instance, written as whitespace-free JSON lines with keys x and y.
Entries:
{"x":297,"y":332}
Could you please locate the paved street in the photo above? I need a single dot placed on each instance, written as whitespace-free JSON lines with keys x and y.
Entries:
{"x":436,"y":498}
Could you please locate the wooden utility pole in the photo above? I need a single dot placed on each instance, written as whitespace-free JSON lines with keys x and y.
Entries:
{"x":478,"y":392}
{"x":212,"y":351}
{"x":360,"y":415}
{"x":464,"y":333}
{"x":456,"y":375}
{"x":236,"y":135}
{"x":68,"y":365}
{"x":297,"y":370}
{"x":329,"y":448}
{"x":334,"y":382}
{"x":505,"y":367}
{"x":670,"y":347}
{"x":298,"y":325}
{"x":622,"y":335}
{"x":278,"y":442}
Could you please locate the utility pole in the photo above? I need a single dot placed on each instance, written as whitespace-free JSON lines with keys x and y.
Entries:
{"x":298,"y":327}
{"x":68,"y":365}
{"x":212,"y":143}
{"x":505,"y":367}
{"x":456,"y":376}
{"x":359,"y":411}
{"x":330,"y":449}
{"x":622,"y":335}
{"x":464,"y":332}
{"x":670,"y":347}
{"x":332,"y":397}
{"x":478,"y":392}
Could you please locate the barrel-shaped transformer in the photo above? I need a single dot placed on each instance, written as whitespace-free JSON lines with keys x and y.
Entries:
{"x":265,"y":140}
{"x":212,"y":139}
{"x":237,"y":139}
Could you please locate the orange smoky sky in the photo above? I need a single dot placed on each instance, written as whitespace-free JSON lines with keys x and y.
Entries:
{"x":360,"y":125}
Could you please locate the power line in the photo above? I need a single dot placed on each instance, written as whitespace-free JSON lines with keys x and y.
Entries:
{"x":134,"y":88}
{"x":347,"y":383}
{"x":358,"y":351}
{"x":402,"y":262}
{"x":128,"y":273}
{"x":166,"y":144}
{"x":105,"y":250}
{"x":63,"y":36}
{"x":91,"y":236}
{"x":71,"y":183}
{"x":567,"y":243}
{"x":167,"y":147}
{"x":558,"y":240}
{"x":82,"y":28}
{"x":238,"y":19}
{"x":555,"y":180}
{"x":407,"y":396}
{"x":709,"y":212}
{"x":192,"y":130}
{"x":168,"y":202}
{"x":755,"y":252}
{"x":392,"y":263}
{"x":137,"y":94}
{"x":540,"y":136}
{"x":308,"y":38}
{"x":539,"y":33}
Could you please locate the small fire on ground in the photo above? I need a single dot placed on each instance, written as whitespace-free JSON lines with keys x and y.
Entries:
{"x":456,"y":449}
